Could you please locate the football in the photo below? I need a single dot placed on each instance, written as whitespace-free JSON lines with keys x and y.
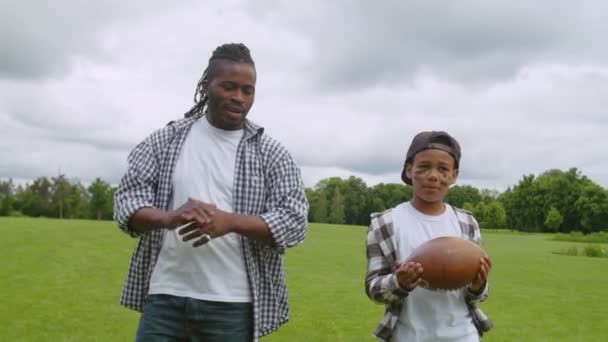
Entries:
{"x":448,"y":262}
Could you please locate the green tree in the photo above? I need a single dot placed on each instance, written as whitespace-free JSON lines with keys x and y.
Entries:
{"x":356,"y":203}
{"x":385,"y":196}
{"x":528,"y":202}
{"x":60,"y":189}
{"x":480,"y":213}
{"x":489,"y":195}
{"x":35,"y":199}
{"x":101,"y":199}
{"x":520,"y":205}
{"x":336,"y":211}
{"x":311,"y":197}
{"x":592,"y":205}
{"x":553,"y":220}
{"x":326,"y":190}
{"x":7,"y":197}
{"x":495,"y":215}
{"x":458,"y":195}
{"x":561,"y":190}
{"x":468,"y":207}
{"x":77,"y":202}
{"x":318,"y":206}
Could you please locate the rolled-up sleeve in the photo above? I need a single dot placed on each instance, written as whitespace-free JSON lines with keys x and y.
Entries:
{"x":286,"y":208}
{"x":136,"y":189}
{"x":381,"y":284}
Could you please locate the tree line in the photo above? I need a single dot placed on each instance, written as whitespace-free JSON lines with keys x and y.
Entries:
{"x":57,"y":197}
{"x":554,"y":201}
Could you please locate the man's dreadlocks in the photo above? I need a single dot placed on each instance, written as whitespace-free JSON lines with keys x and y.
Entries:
{"x":232,"y":52}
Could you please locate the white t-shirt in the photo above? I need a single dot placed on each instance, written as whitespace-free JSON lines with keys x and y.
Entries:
{"x":215,"y":271}
{"x":429,"y":315}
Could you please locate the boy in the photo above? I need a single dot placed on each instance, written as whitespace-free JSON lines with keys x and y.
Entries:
{"x":413,"y":313}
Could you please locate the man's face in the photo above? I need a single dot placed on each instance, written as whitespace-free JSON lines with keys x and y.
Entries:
{"x":230,"y":92}
{"x":432,"y":172}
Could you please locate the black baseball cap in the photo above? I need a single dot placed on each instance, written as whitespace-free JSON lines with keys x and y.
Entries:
{"x":431,"y":140}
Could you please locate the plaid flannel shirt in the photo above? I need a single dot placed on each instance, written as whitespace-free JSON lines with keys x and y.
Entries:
{"x":268,"y":184}
{"x":381,"y":284}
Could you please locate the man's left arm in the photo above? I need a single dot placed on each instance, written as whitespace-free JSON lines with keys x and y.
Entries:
{"x":286,"y":207}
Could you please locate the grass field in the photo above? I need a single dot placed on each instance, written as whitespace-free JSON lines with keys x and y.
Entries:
{"x":60,"y":281}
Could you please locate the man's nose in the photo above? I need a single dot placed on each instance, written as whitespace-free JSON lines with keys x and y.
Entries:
{"x":238,"y":96}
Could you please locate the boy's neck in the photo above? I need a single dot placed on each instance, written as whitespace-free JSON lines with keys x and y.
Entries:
{"x":428,"y":208}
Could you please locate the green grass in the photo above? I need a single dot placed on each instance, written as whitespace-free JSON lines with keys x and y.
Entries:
{"x":60,"y":281}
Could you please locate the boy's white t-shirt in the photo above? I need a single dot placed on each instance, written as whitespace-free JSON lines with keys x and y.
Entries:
{"x":214,"y":271}
{"x":429,"y":315}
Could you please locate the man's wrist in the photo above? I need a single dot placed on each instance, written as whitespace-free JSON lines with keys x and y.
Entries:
{"x":164,"y":219}
{"x":148,"y":218}
{"x":235,"y":223}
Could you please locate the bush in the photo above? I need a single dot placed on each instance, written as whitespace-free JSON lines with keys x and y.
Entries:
{"x":595,"y":251}
{"x":16,"y":213}
{"x":572,"y":251}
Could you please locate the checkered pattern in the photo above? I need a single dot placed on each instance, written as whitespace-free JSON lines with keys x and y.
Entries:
{"x":381,"y":284}
{"x":267,"y":184}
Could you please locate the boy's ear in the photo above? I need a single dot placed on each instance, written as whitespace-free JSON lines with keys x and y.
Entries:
{"x":408,"y":170}
{"x":455,"y":174}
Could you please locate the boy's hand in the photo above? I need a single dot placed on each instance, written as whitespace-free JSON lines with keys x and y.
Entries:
{"x":479,"y":282}
{"x":408,"y":274}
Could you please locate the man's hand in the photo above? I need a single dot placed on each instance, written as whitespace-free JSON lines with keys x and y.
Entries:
{"x":207,"y":221}
{"x":408,"y":275}
{"x":479,"y":282}
{"x":193,"y":211}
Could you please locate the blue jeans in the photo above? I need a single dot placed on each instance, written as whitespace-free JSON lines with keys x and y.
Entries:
{"x":171,"y":318}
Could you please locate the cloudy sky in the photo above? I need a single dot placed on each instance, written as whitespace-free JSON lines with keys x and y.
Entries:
{"x":343,"y":84}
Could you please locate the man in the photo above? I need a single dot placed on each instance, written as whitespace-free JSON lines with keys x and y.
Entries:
{"x":413,"y":313}
{"x":214,"y":202}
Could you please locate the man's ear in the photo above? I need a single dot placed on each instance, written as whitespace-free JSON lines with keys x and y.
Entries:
{"x":205,"y":85}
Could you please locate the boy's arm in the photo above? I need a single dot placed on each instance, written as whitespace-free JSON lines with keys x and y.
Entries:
{"x":474,"y":297}
{"x":381,"y":284}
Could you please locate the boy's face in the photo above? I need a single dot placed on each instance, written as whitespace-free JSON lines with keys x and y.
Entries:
{"x":432,"y":172}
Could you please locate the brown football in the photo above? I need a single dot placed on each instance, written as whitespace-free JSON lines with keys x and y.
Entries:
{"x":448,"y":262}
